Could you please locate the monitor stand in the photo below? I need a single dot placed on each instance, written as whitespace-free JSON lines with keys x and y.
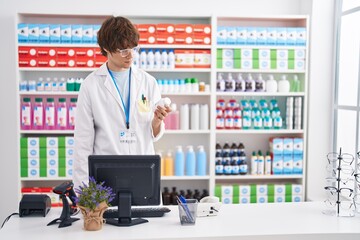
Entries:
{"x":124,"y":211}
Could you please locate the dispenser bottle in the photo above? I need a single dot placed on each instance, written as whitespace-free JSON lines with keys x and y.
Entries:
{"x":220,"y":83}
{"x":239,"y":84}
{"x":201,"y":161}
{"x":260,"y":84}
{"x":169,"y":164}
{"x":190,"y":163}
{"x":249,"y":83}
{"x":179,"y":162}
{"x":230,"y":83}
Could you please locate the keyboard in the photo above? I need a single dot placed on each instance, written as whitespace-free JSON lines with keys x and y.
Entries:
{"x":139,"y":212}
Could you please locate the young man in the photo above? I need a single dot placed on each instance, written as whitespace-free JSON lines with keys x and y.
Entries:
{"x":116,"y":109}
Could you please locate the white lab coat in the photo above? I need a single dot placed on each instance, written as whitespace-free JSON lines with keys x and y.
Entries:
{"x":100,"y":118}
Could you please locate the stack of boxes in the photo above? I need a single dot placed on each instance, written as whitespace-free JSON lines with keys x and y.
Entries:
{"x":260,"y":58}
{"x":48,"y":157}
{"x":259,"y":193}
{"x":287,"y":155}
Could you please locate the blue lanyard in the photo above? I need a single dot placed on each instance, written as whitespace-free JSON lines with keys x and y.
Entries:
{"x":127,"y":109}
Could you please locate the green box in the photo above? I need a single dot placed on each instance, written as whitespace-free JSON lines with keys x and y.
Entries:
{"x":43,"y":171}
{"x":61,"y":141}
{"x":291,"y":54}
{"x":255,"y":63}
{"x":42,"y":142}
{"x":62,"y":162}
{"x":273,"y":54}
{"x":237,"y":53}
{"x":217,"y":191}
{"x":291,"y":64}
{"x":253,"y":199}
{"x":24,"y":172}
{"x":273,"y":64}
{"x":237,"y":64}
{"x":219,"y":53}
{"x":255,"y":53}
{"x":288,"y":198}
{"x":23,"y":142}
{"x":24,"y":163}
{"x":62,"y":172}
{"x":62,"y":152}
{"x":219,"y":63}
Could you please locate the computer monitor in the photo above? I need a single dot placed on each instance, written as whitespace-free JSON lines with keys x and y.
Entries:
{"x":134,"y":178}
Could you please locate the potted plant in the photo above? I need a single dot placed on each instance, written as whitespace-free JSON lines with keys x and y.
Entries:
{"x":93,"y":199}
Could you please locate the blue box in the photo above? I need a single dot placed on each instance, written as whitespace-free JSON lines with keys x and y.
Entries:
{"x":241,"y":35}
{"x":65,"y":33}
{"x":298,"y":164}
{"x":54,"y":33}
{"x":288,"y":164}
{"x":87,"y":33}
{"x":76,"y":33}
{"x":33,"y":33}
{"x":23,"y":33}
{"x":261,"y":36}
{"x":281,"y":36}
{"x":251,"y":36}
{"x":277,"y":146}
{"x":298,"y":147}
{"x":301,"y":37}
{"x":221,"y":35}
{"x":271,"y":36}
{"x":278,"y":164}
{"x":230,"y":35}
{"x":96,"y":28}
{"x":291,"y":35}
{"x":44,"y":33}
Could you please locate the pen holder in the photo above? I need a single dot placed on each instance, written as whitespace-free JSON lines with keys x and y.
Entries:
{"x":187,"y":212}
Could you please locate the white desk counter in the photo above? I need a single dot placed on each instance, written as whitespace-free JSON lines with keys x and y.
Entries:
{"x":252,"y":221}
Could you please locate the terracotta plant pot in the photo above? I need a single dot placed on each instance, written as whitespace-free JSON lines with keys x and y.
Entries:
{"x":93,"y":220}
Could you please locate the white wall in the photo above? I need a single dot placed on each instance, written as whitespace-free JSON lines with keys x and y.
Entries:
{"x":320,"y":65}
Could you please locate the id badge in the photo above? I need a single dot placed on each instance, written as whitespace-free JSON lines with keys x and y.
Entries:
{"x":127,"y":136}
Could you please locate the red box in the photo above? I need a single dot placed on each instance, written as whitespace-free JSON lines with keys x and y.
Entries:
{"x":28,"y":62}
{"x":65,"y":62}
{"x":85,"y":62}
{"x":202,"y":58}
{"x":66,"y":52}
{"x":202,"y":39}
{"x":184,"y":58}
{"x":184,"y":39}
{"x":184,"y":28}
{"x":97,"y":52}
{"x":146,"y":28}
{"x":165,"y":39}
{"x":164,"y":28}
{"x":203,"y":29}
{"x":100,"y":60}
{"x":147,"y":38}
{"x":27,"y":51}
{"x":46,"y":52}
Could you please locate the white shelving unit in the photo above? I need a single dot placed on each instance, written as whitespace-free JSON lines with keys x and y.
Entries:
{"x":253,"y":139}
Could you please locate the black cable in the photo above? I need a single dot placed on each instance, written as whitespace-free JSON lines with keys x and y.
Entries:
{"x":7,"y":219}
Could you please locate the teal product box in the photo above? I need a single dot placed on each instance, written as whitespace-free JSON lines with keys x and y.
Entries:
{"x":251,"y":36}
{"x":230,"y":35}
{"x":261,"y":36}
{"x":281,"y":34}
{"x":87,"y":33}
{"x":96,"y":28}
{"x":33,"y":33}
{"x":291,"y":35}
{"x":55,"y":33}
{"x":298,"y":164}
{"x":221,"y":35}
{"x":288,"y":146}
{"x":241,"y":35}
{"x":278,"y":164}
{"x":277,"y":146}
{"x":288,"y":164}
{"x":23,"y":33}
{"x":44,"y":33}
{"x":301,"y":37}
{"x":298,"y":146}
{"x":271,"y":36}
{"x":76,"y":33}
{"x":65,"y":33}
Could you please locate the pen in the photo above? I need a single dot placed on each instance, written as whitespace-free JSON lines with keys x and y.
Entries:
{"x":143,"y":98}
{"x":182,"y":201}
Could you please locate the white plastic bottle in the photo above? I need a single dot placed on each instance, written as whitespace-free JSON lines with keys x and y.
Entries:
{"x":204,"y":117}
{"x":40,"y":85}
{"x":194,"y":116}
{"x":220,"y":83}
{"x":267,"y":163}
{"x":254,"y":164}
{"x":271,"y":84}
{"x":136,"y":60}
{"x":150,"y":59}
{"x":184,"y":117}
{"x":261,"y":163}
{"x":230,"y":83}
{"x":157,"y":59}
{"x":143,"y":59}
{"x":284,"y":84}
{"x":171,"y":59}
{"x":179,"y":162}
{"x":164,"y":59}
{"x":190,"y":162}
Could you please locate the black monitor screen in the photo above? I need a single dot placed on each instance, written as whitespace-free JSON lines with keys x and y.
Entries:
{"x":134,"y":178}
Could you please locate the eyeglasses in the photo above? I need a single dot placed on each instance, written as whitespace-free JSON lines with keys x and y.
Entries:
{"x":346,"y":169}
{"x":345,"y":157}
{"x":343,"y":181}
{"x":344,"y":192}
{"x":126,"y":52}
{"x":343,"y":208}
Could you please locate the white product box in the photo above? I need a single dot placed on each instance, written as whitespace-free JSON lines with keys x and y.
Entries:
{"x":69,"y":152}
{"x":279,"y":189}
{"x":52,"y":172}
{"x":278,"y":164}
{"x":246,"y":53}
{"x":282,"y":54}
{"x":261,"y":189}
{"x":44,"y":33}
{"x":297,"y":198}
{"x":76,"y":33}
{"x":230,"y":35}
{"x":246,"y":64}
{"x":228,"y":63}
{"x":264,"y":54}
{"x":262,"y":199}
{"x":52,"y":153}
{"x":264,"y":64}
{"x":69,"y":162}
{"x":241,"y":35}
{"x":55,"y":33}
{"x":226,"y":199}
{"x":279,"y":198}
{"x":52,"y":162}
{"x":298,"y":147}
{"x":33,"y":142}
{"x":52,"y":142}
{"x":299,"y":64}
{"x":221,"y":35}
{"x":69,"y":172}
{"x":23,"y":32}
{"x":33,"y":172}
{"x":296,"y":189}
{"x":96,"y":28}
{"x":244,"y":190}
{"x":87,"y":33}
{"x":298,"y":164}
{"x":301,"y":37}
{"x":271,"y":36}
{"x":282,"y":65}
{"x":65,"y":33}
{"x":261,"y":36}
{"x":227,"y":53}
{"x":288,"y":146}
{"x":227,"y":190}
{"x":288,"y":164}
{"x":291,"y":35}
{"x":33,"y":33}
{"x":281,"y":36}
{"x":277,"y":145}
{"x":33,"y":153}
{"x":299,"y":54}
{"x":244,"y":199}
{"x":33,"y":162}
{"x":251,"y":36}
{"x":69,"y":142}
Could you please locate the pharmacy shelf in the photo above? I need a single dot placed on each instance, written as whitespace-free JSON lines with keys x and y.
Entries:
{"x":175,"y":46}
{"x":87,"y":45}
{"x":222,"y":70}
{"x":259,"y":131}
{"x":46,"y":179}
{"x":187,"y":70}
{"x":48,"y":93}
{"x":261,"y":94}
{"x":187,"y":131}
{"x":187,"y":94}
{"x":54,"y":69}
{"x":185,"y":178}
{"x":230,"y":46}
{"x":258,"y":177}
{"x":46,"y":132}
